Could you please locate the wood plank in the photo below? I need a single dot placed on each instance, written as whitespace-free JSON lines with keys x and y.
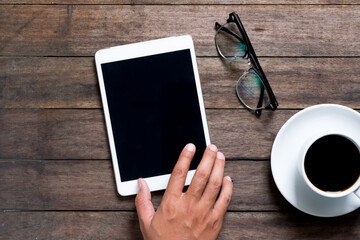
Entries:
{"x":48,"y":83}
{"x":80,"y":30}
{"x":72,"y":82}
{"x":90,"y":185}
{"x":124,"y":225}
{"x":80,"y":134}
{"x":69,"y":225}
{"x":289,"y":226}
{"x":56,"y":134}
{"x":134,"y":2}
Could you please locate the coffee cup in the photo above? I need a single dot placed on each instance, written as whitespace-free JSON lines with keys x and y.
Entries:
{"x":330,"y":164}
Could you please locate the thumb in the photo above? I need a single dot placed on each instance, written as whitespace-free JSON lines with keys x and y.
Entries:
{"x":144,"y":206}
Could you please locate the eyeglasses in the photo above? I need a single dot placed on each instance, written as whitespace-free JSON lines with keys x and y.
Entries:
{"x":252,"y":88}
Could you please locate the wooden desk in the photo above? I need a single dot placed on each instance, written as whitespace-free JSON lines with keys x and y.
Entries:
{"x":56,"y":177}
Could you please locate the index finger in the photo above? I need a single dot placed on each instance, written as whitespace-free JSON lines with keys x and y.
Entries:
{"x":179,"y":173}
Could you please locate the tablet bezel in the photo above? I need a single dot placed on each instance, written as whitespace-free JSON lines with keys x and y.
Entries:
{"x":137,"y":50}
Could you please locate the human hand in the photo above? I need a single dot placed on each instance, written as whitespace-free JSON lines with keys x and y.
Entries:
{"x":196,"y":214}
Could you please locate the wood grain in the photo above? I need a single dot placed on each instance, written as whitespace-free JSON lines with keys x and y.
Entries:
{"x":80,"y":134}
{"x":188,"y":2}
{"x":90,"y":185}
{"x":124,"y":225}
{"x":72,"y":82}
{"x":80,"y":30}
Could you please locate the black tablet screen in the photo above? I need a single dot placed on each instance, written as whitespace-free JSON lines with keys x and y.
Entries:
{"x":154,"y":112}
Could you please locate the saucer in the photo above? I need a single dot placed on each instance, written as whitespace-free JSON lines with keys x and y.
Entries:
{"x":285,"y":157}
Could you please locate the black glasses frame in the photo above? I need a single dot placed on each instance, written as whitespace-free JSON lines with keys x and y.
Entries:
{"x":251,"y":56}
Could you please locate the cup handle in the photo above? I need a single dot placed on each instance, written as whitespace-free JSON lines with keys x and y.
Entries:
{"x":357,"y":192}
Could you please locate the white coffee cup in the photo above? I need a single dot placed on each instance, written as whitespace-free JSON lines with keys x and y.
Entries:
{"x":353,"y":188}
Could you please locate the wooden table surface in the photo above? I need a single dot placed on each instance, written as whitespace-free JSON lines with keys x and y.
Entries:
{"x":56,"y":176}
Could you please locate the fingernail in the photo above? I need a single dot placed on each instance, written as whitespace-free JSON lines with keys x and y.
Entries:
{"x":139,"y":183}
{"x":213,"y":148}
{"x":190,"y":147}
{"x":228,"y":178}
{"x":220,"y":155}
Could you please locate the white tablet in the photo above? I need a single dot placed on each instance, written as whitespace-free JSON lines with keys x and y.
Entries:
{"x":153,"y":107}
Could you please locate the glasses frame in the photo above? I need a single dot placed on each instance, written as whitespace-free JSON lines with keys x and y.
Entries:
{"x":251,"y":56}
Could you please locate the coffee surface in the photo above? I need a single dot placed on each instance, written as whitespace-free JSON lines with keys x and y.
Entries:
{"x":332,"y":163}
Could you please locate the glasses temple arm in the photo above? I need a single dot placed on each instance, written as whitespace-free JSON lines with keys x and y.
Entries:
{"x":225,"y":29}
{"x":273,"y":102}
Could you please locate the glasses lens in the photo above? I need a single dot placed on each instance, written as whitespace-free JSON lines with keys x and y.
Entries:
{"x":252,"y":92}
{"x":229,"y":42}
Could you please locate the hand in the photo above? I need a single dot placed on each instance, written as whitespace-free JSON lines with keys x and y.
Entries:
{"x":196,"y":214}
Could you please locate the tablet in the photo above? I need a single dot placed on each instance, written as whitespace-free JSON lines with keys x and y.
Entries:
{"x":153,"y":107}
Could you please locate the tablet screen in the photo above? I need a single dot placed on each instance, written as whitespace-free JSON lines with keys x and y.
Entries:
{"x":154,"y":111}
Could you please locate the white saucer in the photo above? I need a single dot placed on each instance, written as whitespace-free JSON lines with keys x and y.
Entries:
{"x":285,"y":157}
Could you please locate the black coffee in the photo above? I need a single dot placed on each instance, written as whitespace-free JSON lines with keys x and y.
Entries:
{"x":332,"y":163}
